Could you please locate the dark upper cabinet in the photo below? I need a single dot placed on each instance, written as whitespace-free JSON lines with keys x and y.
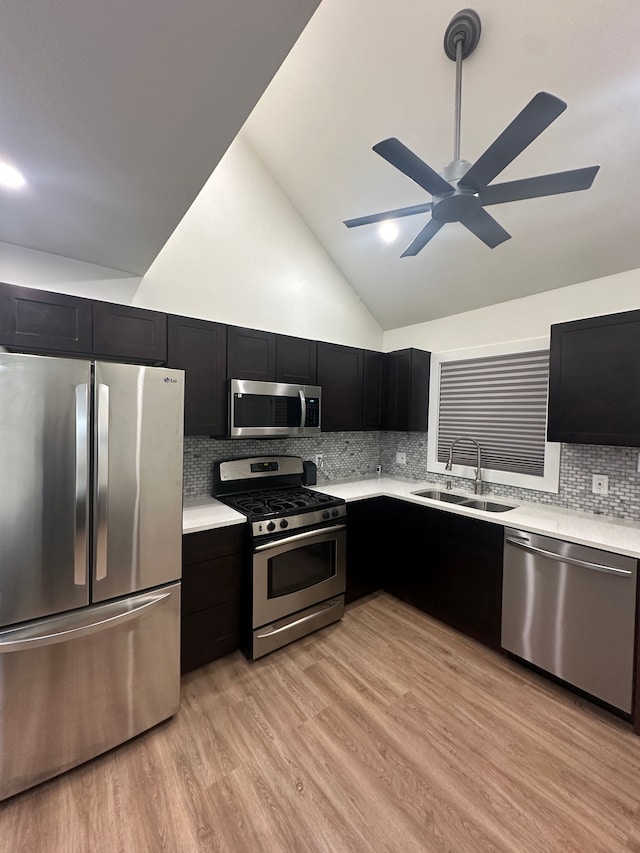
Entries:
{"x":128,"y":333}
{"x":594,"y":381}
{"x":372,"y":401}
{"x":296,"y":360}
{"x":340,"y":374}
{"x":251,"y":354}
{"x":199,"y":347}
{"x":37,"y":320}
{"x":406,"y":390}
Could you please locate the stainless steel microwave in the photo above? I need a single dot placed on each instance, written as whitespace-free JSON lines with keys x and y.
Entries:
{"x":273,"y":409}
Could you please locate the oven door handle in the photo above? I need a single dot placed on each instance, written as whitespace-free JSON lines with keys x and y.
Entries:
{"x":298,"y":537}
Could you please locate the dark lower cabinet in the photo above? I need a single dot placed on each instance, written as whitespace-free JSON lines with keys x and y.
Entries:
{"x":199,"y":347}
{"x":40,"y":321}
{"x":446,"y":565}
{"x":469,"y":593}
{"x":366,"y":546}
{"x":212,"y":562}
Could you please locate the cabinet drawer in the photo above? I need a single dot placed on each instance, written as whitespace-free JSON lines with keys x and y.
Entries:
{"x":211,"y":544}
{"x":210,"y":583}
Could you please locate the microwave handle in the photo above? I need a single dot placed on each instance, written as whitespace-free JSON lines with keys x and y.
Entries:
{"x":303,"y":408}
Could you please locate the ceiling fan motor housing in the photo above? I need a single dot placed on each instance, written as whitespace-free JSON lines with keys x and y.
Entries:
{"x":465,"y":27}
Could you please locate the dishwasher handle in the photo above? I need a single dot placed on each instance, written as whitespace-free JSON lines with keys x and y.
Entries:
{"x":583,"y":564}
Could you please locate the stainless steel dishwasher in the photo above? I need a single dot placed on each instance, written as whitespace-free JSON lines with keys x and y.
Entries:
{"x":570,"y":610}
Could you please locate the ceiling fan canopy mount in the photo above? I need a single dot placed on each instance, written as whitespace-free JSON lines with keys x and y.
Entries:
{"x":461,"y":191}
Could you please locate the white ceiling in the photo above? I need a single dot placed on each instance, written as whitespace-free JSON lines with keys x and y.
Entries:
{"x":119,"y":112}
{"x":365,"y":70}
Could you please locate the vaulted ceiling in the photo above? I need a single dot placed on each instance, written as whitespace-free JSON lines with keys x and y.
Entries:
{"x":119,"y":112}
{"x":365,"y":70}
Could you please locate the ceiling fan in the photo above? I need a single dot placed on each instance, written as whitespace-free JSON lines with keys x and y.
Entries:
{"x":461,"y":191}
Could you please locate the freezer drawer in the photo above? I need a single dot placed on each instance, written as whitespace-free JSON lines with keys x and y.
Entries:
{"x":75,"y":686}
{"x":570,"y":610}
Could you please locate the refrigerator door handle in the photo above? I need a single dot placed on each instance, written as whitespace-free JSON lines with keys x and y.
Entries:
{"x":81,"y":487}
{"x":72,"y":628}
{"x":102,"y":479}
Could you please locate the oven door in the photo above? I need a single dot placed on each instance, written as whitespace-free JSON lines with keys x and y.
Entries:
{"x":297,"y":572}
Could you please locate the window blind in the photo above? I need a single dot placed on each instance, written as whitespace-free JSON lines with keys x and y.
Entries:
{"x":501,"y":402}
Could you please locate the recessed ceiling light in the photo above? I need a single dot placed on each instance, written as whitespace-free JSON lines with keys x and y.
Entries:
{"x":388,"y":231}
{"x":10,"y":177}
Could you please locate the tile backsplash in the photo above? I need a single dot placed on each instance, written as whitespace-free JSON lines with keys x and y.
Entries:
{"x":356,"y":454}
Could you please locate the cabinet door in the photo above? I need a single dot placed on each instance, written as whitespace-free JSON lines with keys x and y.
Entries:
{"x":366,"y":546}
{"x":372,"y":391}
{"x":200,"y":349}
{"x":340,"y":374}
{"x":251,"y":354}
{"x":128,"y":333}
{"x":406,"y":394}
{"x":296,"y":360}
{"x":470,"y":577}
{"x":39,"y":321}
{"x":594,"y":381}
{"x":413,"y":562}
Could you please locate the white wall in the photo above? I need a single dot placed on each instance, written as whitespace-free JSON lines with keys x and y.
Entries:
{"x":242,"y":255}
{"x":41,"y":270}
{"x":520,"y":319}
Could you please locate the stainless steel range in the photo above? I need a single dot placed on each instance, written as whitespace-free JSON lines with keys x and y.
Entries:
{"x":296,"y":579}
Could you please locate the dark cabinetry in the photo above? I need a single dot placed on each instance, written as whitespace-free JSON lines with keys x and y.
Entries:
{"x":251,"y":354}
{"x":406,"y":390}
{"x":39,"y":321}
{"x":372,"y":403}
{"x":367,"y":551}
{"x":447,"y":565}
{"x":340,"y":373}
{"x":211,"y":565}
{"x":594,"y":381}
{"x":296,"y":360}
{"x":124,"y":332}
{"x":199,"y":348}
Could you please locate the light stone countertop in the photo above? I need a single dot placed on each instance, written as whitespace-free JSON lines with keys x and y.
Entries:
{"x":623,"y":537}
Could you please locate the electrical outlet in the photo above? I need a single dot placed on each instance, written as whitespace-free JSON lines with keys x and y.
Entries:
{"x":378,"y":469}
{"x":319,"y":460}
{"x":401,"y":458}
{"x":600,"y":484}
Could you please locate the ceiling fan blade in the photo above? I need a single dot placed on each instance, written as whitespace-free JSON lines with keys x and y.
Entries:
{"x":484,"y":226}
{"x":560,"y":182}
{"x":541,"y":110}
{"x":389,"y":214}
{"x":430,"y":229}
{"x":413,"y":167}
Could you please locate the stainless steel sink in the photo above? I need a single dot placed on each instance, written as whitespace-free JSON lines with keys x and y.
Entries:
{"x":437,"y":495}
{"x":463,"y":500}
{"x":488,"y":506}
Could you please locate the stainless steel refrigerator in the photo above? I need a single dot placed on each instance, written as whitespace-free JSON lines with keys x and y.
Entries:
{"x":90,"y":559}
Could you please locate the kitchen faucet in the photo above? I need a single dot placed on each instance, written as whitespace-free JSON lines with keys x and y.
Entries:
{"x":477,"y":488}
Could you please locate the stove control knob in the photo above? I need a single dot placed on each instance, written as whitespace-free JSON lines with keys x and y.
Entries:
{"x":325,"y":513}
{"x":284,"y":523}
{"x":271,"y":526}
{"x":335,"y":513}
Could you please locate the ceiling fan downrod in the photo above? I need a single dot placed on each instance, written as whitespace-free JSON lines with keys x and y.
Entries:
{"x":461,"y":39}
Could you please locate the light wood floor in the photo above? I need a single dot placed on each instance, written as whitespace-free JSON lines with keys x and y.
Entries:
{"x":386,"y":732}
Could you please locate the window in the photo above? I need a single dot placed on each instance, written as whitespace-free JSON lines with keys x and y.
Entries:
{"x":499,"y":399}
